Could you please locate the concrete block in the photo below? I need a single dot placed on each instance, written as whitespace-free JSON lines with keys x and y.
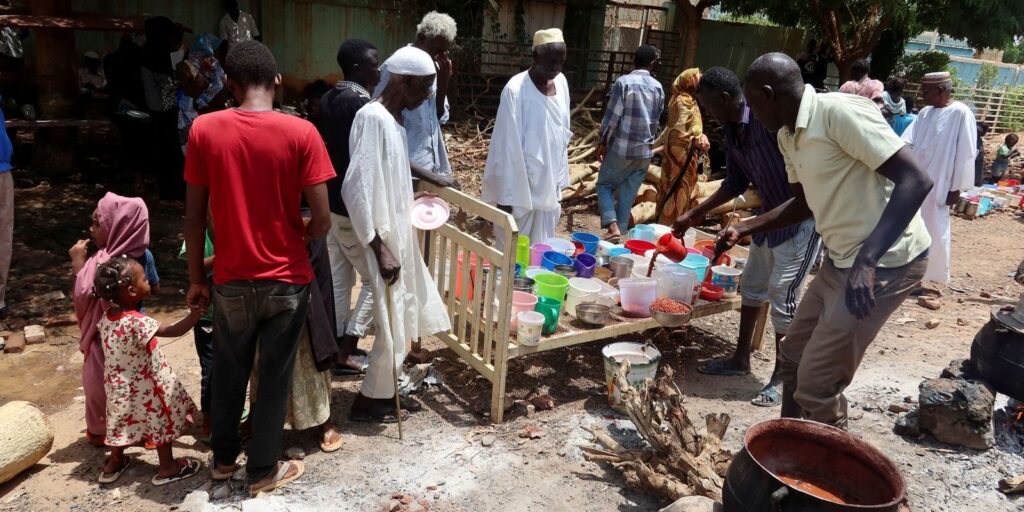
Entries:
{"x":34,"y":334}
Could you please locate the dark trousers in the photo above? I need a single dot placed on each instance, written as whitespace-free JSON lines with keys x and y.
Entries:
{"x":251,"y":316}
{"x":203,"y":334}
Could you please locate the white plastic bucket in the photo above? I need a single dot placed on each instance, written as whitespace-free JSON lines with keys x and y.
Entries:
{"x":529,"y":329}
{"x":643,"y":361}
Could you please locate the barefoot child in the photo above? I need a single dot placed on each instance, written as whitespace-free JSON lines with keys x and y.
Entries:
{"x":145,"y":400}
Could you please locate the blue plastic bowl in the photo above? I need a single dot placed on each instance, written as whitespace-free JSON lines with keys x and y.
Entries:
{"x":589,"y":241}
{"x":552,"y":258}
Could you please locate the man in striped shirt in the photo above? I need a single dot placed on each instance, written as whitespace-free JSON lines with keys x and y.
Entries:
{"x":779,"y":260}
{"x":628,"y":131}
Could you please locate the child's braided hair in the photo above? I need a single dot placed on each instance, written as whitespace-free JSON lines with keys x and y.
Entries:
{"x":111,"y":277}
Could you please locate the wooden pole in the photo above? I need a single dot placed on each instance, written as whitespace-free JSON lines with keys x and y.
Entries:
{"x":56,"y":58}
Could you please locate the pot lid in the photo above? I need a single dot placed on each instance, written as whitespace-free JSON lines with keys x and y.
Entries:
{"x":1006,"y":319}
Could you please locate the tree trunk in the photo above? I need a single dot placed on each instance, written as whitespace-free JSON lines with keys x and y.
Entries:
{"x":54,"y":148}
{"x":693,"y":20}
{"x":844,"y":66}
{"x":25,"y":437}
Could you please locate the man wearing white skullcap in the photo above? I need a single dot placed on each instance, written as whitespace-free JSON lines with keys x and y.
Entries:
{"x":944,"y":140}
{"x":427,"y":153}
{"x":377,"y":191}
{"x":528,"y":163}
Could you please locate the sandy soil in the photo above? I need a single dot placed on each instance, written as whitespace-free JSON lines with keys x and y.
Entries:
{"x":441,"y":464}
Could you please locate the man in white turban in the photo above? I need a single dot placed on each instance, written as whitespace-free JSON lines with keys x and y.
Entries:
{"x":377,"y":191}
{"x":528,"y":164}
{"x":944,"y":140}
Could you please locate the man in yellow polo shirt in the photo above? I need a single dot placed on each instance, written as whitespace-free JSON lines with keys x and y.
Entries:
{"x":854,"y":176}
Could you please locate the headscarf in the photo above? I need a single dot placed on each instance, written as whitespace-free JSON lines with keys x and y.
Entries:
{"x":683,"y":114}
{"x":126,"y":220}
{"x":867,"y":88}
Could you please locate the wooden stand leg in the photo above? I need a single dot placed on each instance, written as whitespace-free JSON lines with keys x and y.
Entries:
{"x":759,"y":327}
{"x":498,"y":390}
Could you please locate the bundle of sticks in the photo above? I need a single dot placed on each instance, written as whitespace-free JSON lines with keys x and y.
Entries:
{"x":678,"y":461}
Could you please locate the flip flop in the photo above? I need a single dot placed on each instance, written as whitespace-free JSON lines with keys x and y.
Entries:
{"x":220,"y":476}
{"x":343,"y":370}
{"x":109,"y":478}
{"x":188,"y":467}
{"x":720,"y":367}
{"x":332,"y":446}
{"x":772,"y":397}
{"x":279,"y":480}
{"x":615,"y":239}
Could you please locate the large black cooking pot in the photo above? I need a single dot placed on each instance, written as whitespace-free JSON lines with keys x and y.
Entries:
{"x":790,"y":465}
{"x":997,"y":355}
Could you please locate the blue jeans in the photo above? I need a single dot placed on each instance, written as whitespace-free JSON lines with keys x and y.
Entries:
{"x":624,"y":176}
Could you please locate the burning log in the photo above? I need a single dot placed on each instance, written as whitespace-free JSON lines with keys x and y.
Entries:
{"x":680,"y":461}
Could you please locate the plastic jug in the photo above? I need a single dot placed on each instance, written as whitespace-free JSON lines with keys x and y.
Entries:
{"x":637,"y":294}
{"x":675,"y":282}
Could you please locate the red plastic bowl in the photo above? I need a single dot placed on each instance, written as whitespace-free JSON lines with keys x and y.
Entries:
{"x":639,"y":247}
{"x":711,"y":292}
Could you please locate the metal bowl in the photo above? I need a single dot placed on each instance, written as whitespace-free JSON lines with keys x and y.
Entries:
{"x":620,"y":266}
{"x":671,"y":320}
{"x":568,"y":271}
{"x":593,"y":314}
{"x":523,"y":284}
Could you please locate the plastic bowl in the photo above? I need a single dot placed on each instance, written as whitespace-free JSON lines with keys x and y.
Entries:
{"x":552,"y":259}
{"x":711,"y":292}
{"x":428,"y":213}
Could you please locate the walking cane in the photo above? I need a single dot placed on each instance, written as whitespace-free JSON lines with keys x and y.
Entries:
{"x":394,"y":368}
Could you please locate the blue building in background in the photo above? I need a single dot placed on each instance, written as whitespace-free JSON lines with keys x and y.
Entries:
{"x":966,"y":61}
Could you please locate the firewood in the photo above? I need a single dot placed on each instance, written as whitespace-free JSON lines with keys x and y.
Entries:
{"x":682,"y":461}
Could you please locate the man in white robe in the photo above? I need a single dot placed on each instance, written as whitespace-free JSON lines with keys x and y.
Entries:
{"x":378,"y":193}
{"x":944,"y":140}
{"x":528,"y":164}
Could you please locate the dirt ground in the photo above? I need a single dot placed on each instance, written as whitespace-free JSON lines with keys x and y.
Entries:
{"x":442,"y":464}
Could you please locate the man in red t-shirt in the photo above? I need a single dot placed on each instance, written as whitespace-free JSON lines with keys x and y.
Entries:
{"x":254,"y":166}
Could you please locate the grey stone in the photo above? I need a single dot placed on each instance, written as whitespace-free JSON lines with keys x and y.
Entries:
{"x":34,"y":334}
{"x":908,"y":425}
{"x":196,"y":501}
{"x":693,"y":504}
{"x":958,"y":369}
{"x":488,"y":440}
{"x":295,"y":453}
{"x":958,"y":412}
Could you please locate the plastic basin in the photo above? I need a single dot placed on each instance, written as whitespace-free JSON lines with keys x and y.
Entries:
{"x":552,"y":286}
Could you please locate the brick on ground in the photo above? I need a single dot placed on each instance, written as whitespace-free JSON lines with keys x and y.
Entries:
{"x":15,"y":343}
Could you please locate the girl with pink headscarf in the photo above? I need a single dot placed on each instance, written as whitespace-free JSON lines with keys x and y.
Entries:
{"x":120,"y":226}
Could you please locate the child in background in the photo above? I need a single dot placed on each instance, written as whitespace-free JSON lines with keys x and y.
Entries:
{"x":203,"y":334}
{"x":146,"y":403}
{"x":1003,"y":156}
{"x":120,"y":226}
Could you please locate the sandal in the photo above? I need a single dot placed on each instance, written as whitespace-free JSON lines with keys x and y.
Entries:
{"x":220,"y":476}
{"x":720,"y":367}
{"x":333,"y":446}
{"x":368,"y":410}
{"x":109,"y":478}
{"x":769,"y":396}
{"x":344,"y":370}
{"x":280,"y":480}
{"x":188,"y":467}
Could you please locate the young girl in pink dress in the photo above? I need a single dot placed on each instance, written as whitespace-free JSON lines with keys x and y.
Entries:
{"x":146,"y":403}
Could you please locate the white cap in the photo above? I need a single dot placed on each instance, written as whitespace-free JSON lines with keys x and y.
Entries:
{"x":410,"y":61}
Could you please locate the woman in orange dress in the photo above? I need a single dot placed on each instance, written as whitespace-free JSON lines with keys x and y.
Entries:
{"x":683,"y":144}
